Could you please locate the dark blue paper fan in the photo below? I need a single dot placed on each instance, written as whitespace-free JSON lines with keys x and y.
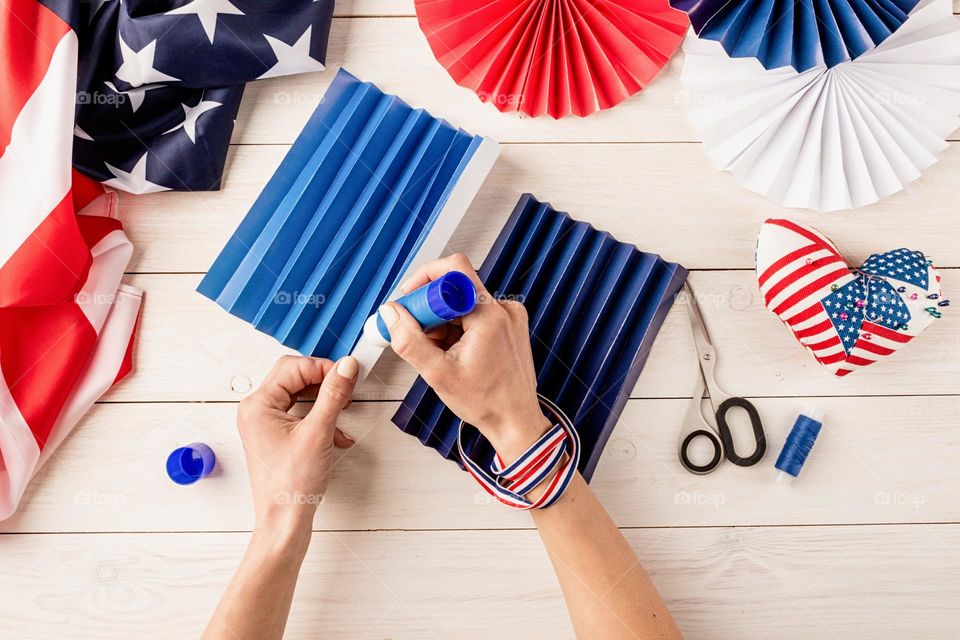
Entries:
{"x":800,"y":33}
{"x":595,"y":306}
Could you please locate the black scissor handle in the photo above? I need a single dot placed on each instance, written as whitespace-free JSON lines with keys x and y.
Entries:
{"x":717,"y":451}
{"x":727,"y":436}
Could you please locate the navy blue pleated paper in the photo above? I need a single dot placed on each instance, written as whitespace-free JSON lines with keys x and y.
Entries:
{"x":352,"y":202}
{"x":798,"y":33}
{"x":595,"y":306}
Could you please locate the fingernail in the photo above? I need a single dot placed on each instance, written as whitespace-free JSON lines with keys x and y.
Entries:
{"x":405,"y":287}
{"x":348,"y":367}
{"x":347,"y":436}
{"x":389,"y":315}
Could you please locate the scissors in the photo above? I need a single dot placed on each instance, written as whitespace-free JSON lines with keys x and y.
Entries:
{"x":696,"y":424}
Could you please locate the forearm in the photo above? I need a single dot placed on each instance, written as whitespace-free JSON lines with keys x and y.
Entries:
{"x":257,"y":601}
{"x":608,"y":593}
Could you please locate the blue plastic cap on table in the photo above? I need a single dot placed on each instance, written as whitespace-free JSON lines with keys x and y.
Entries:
{"x":803,"y":35}
{"x":186,"y":465}
{"x":595,"y":306}
{"x":357,"y":200}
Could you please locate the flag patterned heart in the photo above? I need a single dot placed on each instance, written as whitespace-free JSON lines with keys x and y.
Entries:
{"x":847,"y":318}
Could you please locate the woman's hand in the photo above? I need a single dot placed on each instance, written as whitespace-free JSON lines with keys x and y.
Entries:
{"x":289,"y":459}
{"x":481,"y":367}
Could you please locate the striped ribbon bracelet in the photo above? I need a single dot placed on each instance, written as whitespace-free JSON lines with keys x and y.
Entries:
{"x":558,"y":450}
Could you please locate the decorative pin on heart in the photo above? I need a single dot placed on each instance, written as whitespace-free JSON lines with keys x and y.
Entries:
{"x":847,"y":318}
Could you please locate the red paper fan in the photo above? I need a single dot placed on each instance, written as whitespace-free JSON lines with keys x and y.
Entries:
{"x":552,"y":56}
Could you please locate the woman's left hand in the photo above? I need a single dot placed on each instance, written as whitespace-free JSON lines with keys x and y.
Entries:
{"x":289,"y":459}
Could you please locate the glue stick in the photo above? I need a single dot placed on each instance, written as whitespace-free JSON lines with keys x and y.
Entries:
{"x":436,"y":303}
{"x":799,"y":444}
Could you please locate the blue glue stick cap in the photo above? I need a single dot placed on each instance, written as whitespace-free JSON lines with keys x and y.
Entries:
{"x":436,"y":303}
{"x":188,"y":464}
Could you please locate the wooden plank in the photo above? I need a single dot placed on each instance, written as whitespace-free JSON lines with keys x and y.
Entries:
{"x":879,"y":460}
{"x":190,"y":349}
{"x":667,"y":199}
{"x":353,"y":8}
{"x":784,"y":582}
{"x":393,"y":54}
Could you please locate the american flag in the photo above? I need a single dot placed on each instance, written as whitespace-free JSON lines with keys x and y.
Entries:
{"x":160,"y":82}
{"x":848,"y":319}
{"x":66,"y":321}
{"x":141,"y":95}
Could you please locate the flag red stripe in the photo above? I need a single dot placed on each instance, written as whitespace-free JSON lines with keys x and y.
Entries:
{"x":784,"y":261}
{"x":885,"y":333}
{"x":860,"y":362}
{"x":26,"y":29}
{"x":867,"y":345}
{"x":126,"y":365}
{"x":806,"y":233}
{"x":810,"y":289}
{"x":58,"y":247}
{"x":832,"y":359}
{"x":796,"y":275}
{"x":814,"y":330}
{"x":832,"y":341}
{"x":806,"y":314}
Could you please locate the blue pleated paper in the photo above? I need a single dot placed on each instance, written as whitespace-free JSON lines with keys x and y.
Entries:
{"x":336,"y":226}
{"x":800,"y":33}
{"x":595,"y":306}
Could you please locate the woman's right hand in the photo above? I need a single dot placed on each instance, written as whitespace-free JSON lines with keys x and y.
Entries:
{"x":481,"y":367}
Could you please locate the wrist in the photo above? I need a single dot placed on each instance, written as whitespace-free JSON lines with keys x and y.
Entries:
{"x":513,"y":438}
{"x":285,"y":525}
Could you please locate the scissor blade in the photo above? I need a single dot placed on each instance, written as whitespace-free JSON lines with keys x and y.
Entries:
{"x":700,"y":334}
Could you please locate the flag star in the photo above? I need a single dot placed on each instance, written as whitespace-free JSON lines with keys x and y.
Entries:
{"x":834,"y":314}
{"x":135,"y":96}
{"x":842,"y":327}
{"x":80,"y":133}
{"x":190,"y":115}
{"x":135,"y":180}
{"x":137,"y":67}
{"x":828,"y":303}
{"x":292,"y":59}
{"x":207,"y":12}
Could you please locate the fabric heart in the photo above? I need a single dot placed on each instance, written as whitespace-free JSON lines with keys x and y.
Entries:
{"x":847,"y":318}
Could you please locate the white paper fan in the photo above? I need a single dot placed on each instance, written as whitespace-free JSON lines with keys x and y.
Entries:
{"x":838,"y":138}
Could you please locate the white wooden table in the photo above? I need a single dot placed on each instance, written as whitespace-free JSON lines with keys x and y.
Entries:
{"x":866,"y":544}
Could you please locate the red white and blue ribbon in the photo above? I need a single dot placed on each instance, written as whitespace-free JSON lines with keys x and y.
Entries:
{"x":557,"y":453}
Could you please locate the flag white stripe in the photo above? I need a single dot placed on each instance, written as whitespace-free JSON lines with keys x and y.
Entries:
{"x":41,"y":136}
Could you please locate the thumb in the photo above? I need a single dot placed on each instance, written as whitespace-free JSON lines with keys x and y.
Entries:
{"x":409,"y":341}
{"x":335,"y":391}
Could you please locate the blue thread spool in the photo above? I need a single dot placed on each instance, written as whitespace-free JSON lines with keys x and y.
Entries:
{"x":186,"y":465}
{"x":799,"y":444}
{"x":436,"y":303}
